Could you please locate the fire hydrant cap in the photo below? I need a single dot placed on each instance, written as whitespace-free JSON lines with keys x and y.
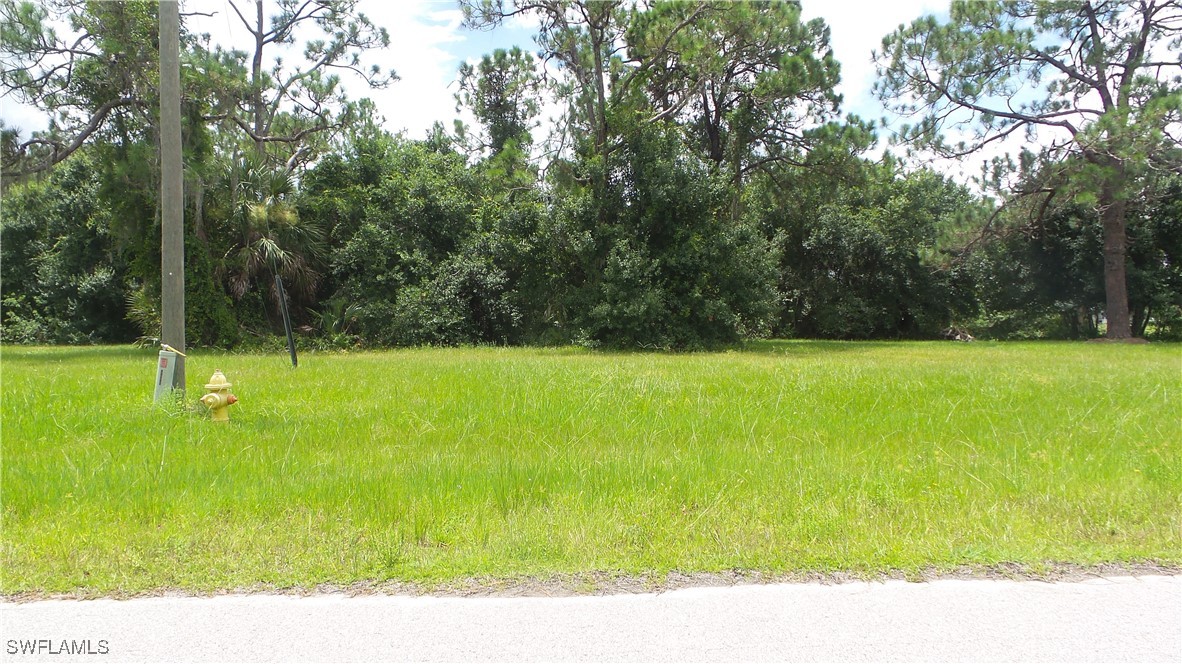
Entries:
{"x":218,"y":382}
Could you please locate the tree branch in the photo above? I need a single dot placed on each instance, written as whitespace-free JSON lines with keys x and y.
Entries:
{"x":256,"y":32}
{"x":60,"y":151}
{"x":1019,"y":117}
{"x":1065,"y":68}
{"x":1098,"y":53}
{"x":294,"y":138}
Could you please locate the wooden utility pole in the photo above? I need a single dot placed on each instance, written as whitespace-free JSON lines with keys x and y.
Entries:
{"x":172,"y":207}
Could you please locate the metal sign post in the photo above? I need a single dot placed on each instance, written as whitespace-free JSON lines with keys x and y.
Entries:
{"x":165,"y":372}
{"x":286,"y":320}
{"x":170,"y":362}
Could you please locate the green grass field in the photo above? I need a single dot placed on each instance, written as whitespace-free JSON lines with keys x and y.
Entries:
{"x":435,"y":466}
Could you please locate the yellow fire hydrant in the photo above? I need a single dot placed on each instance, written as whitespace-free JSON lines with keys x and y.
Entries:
{"x":219,"y":398}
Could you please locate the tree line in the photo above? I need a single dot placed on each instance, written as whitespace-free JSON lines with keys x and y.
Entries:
{"x":701,"y":187}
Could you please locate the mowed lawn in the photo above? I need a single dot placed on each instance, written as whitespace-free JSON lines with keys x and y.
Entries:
{"x":441,"y":465}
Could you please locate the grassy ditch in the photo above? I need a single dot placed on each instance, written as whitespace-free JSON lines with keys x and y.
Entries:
{"x":434,"y":466}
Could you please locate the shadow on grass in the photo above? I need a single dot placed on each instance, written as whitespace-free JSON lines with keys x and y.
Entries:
{"x":798,"y":347}
{"x":816,"y":346}
{"x":41,"y":354}
{"x":788,"y":347}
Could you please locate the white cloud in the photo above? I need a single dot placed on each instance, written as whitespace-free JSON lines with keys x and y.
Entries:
{"x":419,"y":37}
{"x":25,"y":118}
{"x":856,"y":30}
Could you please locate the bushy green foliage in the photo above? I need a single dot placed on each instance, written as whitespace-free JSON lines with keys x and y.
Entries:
{"x":862,"y":259}
{"x":75,"y":254}
{"x":1042,"y":277}
{"x":1155,"y":263}
{"x":400,"y":235}
{"x":435,"y":251}
{"x":62,"y":274}
{"x":427,"y":248}
{"x":210,"y":317}
{"x":656,"y":260}
{"x":463,"y":303}
{"x":703,"y":191}
{"x":1043,"y":282}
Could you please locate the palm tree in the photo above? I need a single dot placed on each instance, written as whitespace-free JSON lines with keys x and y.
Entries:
{"x":271,"y":238}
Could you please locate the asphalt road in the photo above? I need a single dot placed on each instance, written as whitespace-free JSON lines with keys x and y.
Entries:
{"x":1099,"y":620}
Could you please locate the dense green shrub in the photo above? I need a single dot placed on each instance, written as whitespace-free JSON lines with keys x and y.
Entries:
{"x":656,"y":260}
{"x":863,"y":260}
{"x":1042,"y":277}
{"x":62,"y":273}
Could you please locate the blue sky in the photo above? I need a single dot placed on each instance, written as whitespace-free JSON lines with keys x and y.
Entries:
{"x":429,"y":44}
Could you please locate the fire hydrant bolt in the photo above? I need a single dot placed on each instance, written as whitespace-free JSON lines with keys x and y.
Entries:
{"x":219,"y":398}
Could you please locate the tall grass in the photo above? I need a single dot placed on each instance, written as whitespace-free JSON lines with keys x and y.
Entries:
{"x":437,"y":465}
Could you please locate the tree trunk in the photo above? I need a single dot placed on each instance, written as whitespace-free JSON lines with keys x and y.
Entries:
{"x":1141,"y":320}
{"x":600,"y":117}
{"x":712,"y":118}
{"x":1112,"y":216}
{"x":196,"y":189}
{"x":256,"y":80}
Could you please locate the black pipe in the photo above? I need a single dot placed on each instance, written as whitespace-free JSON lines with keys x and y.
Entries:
{"x":286,"y":320}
